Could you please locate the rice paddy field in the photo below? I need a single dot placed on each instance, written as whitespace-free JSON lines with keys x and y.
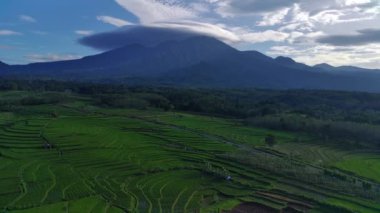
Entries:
{"x":76,"y":157}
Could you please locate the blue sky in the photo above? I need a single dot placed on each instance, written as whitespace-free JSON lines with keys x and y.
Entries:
{"x":46,"y":29}
{"x":338,"y":32}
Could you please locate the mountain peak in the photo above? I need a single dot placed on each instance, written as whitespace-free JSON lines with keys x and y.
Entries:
{"x":324,"y":66}
{"x":285,"y":60}
{"x":290,"y":63}
{"x":3,"y":64}
{"x":3,"y":67}
{"x":202,"y":41}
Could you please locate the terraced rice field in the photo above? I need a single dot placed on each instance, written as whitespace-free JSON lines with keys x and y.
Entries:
{"x":363,"y":164}
{"x":148,"y":161}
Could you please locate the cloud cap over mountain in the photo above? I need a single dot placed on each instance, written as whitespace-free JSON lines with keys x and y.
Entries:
{"x":143,"y":35}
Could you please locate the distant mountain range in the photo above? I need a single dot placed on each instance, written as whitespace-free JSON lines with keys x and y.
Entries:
{"x":3,"y":65}
{"x":200,"y":62}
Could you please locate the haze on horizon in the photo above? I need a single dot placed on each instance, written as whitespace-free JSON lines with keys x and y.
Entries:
{"x":338,"y":32}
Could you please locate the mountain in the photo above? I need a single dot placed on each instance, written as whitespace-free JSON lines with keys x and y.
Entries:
{"x":289,"y":62}
{"x":325,"y":67}
{"x":352,"y":69}
{"x":2,"y":65}
{"x":203,"y":62}
{"x":132,"y":61}
{"x":3,"y":68}
{"x":242,"y":70}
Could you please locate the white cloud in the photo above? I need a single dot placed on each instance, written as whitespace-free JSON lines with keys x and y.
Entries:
{"x":50,"y":57}
{"x":175,"y":15}
{"x":200,"y":7}
{"x":268,"y":35}
{"x":8,"y":33}
{"x":150,"y":11}
{"x":313,"y":15}
{"x":305,"y":38}
{"x":353,"y":2}
{"x":273,"y":18}
{"x":365,"y":56}
{"x":27,"y":18}
{"x":84,"y":32}
{"x":306,"y":21}
{"x":114,"y":21}
{"x":330,"y":17}
{"x":289,"y":23}
{"x":236,"y":8}
{"x":161,"y":13}
{"x":214,"y":30}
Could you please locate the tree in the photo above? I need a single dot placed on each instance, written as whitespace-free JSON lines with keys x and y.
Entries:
{"x":270,"y":140}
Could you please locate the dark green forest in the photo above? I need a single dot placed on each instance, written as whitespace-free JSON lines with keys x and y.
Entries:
{"x":353,"y":117}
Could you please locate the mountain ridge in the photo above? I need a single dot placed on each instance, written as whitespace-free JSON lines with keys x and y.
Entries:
{"x":201,"y":61}
{"x":2,"y":64}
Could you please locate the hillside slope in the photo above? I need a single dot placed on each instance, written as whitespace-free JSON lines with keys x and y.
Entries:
{"x":201,"y":61}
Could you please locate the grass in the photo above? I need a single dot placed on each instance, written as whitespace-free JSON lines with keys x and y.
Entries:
{"x":228,"y":129}
{"x":365,"y":165}
{"x":89,"y":159}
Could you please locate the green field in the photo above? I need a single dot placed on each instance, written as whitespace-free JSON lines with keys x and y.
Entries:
{"x":365,"y":165}
{"x":78,"y":157}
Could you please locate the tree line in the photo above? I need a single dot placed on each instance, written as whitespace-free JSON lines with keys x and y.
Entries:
{"x":350,"y":116}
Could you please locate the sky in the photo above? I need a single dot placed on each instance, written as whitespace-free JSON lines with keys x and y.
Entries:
{"x":338,"y":32}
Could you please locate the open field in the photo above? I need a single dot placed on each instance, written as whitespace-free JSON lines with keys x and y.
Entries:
{"x":366,"y":165}
{"x":76,"y":157}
